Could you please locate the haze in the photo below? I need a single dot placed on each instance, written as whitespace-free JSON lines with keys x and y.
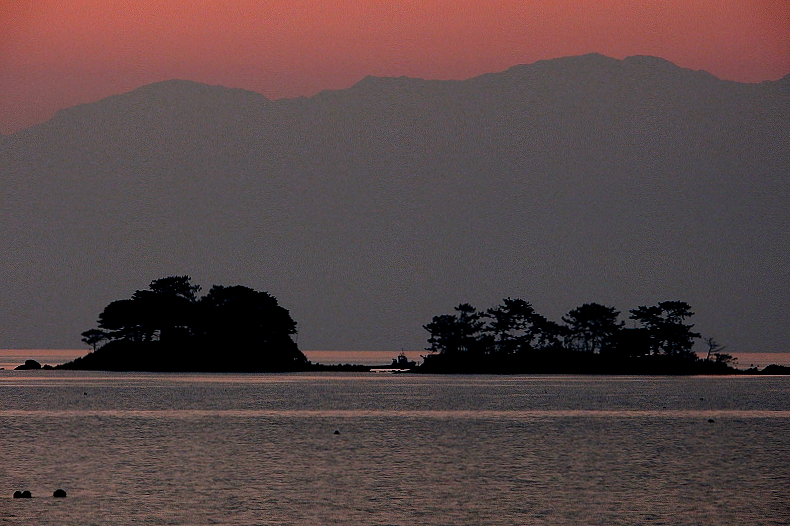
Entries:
{"x":377,"y":201}
{"x":367,"y":211}
{"x":56,"y":54}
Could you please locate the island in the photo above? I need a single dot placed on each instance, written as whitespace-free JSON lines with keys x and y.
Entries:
{"x":32,"y":365}
{"x":169,"y":328}
{"x":513,"y":338}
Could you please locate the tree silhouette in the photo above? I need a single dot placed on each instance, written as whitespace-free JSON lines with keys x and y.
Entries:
{"x":241,"y":317}
{"x":716,"y":350}
{"x":592,"y":328}
{"x":515,"y":327}
{"x":93,"y":337}
{"x":511,"y":326}
{"x":170,"y":324}
{"x":454,"y":333}
{"x":669,"y":335}
{"x":241,"y":313}
{"x":127,"y":320}
{"x":713,"y":347}
{"x":508,"y":329}
{"x":179,"y":286}
{"x":512,"y":337}
{"x":546,"y":334}
{"x":162,"y":314}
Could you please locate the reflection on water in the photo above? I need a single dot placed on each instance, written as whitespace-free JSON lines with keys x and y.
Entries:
{"x":433,"y":450}
{"x":10,"y":358}
{"x":360,"y":413}
{"x":361,"y":357}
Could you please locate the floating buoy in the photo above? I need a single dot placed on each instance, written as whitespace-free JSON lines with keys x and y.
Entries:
{"x":59,"y":494}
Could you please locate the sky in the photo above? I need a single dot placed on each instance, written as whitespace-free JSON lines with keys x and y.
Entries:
{"x":56,"y":54}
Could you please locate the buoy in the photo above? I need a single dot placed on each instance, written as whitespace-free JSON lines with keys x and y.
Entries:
{"x":337,"y":432}
{"x":59,"y":494}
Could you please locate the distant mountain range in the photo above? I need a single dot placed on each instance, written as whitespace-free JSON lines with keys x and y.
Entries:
{"x":369,"y":210}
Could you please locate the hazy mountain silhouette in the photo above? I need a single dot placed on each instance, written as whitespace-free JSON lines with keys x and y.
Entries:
{"x":369,"y":210}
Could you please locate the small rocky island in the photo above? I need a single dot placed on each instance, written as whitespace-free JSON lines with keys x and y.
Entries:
{"x":168,"y":327}
{"x":32,"y":365}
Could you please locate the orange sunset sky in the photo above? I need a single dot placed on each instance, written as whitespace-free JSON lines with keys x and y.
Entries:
{"x":56,"y":53}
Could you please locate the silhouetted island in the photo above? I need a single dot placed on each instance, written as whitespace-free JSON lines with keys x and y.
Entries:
{"x":29,"y":365}
{"x":169,"y":328}
{"x":513,"y":338}
{"x":571,"y":174}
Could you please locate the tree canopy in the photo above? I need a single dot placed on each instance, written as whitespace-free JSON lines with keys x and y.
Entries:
{"x":169,"y":327}
{"x":592,"y":328}
{"x":513,"y":336}
{"x":669,"y":335}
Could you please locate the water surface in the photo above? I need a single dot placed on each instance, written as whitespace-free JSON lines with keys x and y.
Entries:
{"x":410,"y":449}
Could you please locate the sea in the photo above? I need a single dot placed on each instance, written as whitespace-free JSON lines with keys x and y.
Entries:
{"x":11,"y":358}
{"x":393,"y":449}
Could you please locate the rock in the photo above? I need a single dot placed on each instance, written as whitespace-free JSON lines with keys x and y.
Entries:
{"x":25,"y":495}
{"x":337,"y":432}
{"x":59,"y":494}
{"x":776,"y":369}
{"x":17,"y":494}
{"x":28,"y":365}
{"x":711,"y":421}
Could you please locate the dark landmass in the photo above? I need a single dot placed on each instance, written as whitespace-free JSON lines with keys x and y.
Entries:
{"x":346,"y":367}
{"x":582,"y":177}
{"x":29,"y":365}
{"x":572,"y":362}
{"x":512,"y":338}
{"x":772,"y":369}
{"x":164,"y":357}
{"x":578,"y":363}
{"x":169,"y":328}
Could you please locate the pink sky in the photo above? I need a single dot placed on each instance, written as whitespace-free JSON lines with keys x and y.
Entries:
{"x":56,"y":54}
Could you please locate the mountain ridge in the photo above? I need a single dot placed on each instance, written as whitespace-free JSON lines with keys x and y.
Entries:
{"x":187,"y":88}
{"x":371,"y":209}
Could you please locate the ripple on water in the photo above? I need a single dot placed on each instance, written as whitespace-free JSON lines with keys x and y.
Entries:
{"x":476,"y":450}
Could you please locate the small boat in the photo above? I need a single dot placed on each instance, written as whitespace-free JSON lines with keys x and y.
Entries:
{"x":402,"y":362}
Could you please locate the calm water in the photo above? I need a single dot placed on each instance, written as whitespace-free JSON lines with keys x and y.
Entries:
{"x":411,"y":450}
{"x":10,"y":358}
